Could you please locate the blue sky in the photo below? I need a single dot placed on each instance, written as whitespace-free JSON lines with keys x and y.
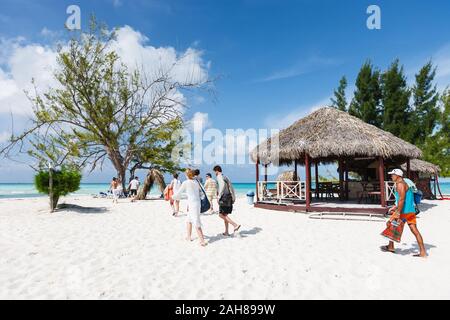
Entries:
{"x":277,"y":59}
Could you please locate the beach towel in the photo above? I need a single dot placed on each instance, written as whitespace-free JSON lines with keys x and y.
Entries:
{"x":417,"y":193}
{"x":394,"y":230}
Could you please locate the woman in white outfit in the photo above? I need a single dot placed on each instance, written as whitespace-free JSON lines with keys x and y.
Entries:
{"x":175,"y":185}
{"x":117,"y":191}
{"x":191,"y":188}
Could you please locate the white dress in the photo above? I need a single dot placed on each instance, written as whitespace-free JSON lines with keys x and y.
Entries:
{"x":176,"y":185}
{"x":192,"y":190}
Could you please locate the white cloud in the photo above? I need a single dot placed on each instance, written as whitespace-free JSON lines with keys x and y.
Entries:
{"x":132,"y":47}
{"x":51,"y":34}
{"x":117,"y":3}
{"x":4,"y":136}
{"x":199,"y":122}
{"x":442,"y":60}
{"x":299,"y":68}
{"x":21,"y":62}
{"x":277,"y":121}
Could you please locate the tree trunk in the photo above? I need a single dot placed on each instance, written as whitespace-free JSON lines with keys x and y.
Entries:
{"x":153,"y":176}
{"x":121,"y":174}
{"x":119,"y":164}
{"x":54,"y":202}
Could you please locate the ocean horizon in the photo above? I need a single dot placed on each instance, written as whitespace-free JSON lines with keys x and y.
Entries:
{"x":27,"y":190}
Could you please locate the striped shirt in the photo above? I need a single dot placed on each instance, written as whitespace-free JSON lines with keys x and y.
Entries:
{"x":211,"y":188}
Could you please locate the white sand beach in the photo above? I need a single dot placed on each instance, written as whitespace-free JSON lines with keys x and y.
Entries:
{"x":138,"y":251}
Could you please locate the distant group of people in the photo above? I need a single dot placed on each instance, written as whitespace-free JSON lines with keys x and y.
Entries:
{"x":116,"y":188}
{"x":193,"y":190}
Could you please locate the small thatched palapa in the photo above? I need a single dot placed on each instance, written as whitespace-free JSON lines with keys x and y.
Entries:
{"x":421,"y":166}
{"x":328,"y":134}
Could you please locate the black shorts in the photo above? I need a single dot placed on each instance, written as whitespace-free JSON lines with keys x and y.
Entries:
{"x":133,"y":192}
{"x":225,"y":209}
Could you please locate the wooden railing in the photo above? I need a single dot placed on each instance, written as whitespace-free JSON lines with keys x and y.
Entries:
{"x":283,"y":190}
{"x":390,"y":190}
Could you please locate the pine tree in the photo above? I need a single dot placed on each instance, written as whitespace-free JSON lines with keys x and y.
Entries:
{"x":425,"y":113}
{"x":339,"y":101}
{"x":437,"y":146}
{"x":395,"y":102}
{"x":366,"y":101}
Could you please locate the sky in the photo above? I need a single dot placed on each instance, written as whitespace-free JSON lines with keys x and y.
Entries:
{"x":274,"y":61}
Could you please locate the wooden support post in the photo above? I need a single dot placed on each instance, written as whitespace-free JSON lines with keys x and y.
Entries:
{"x":50,"y":187}
{"x":341,"y":180}
{"x":295,"y":170}
{"x":257,"y":180}
{"x":265,"y":173}
{"x":308,"y":182}
{"x":382,"y":185}
{"x":435,"y":191}
{"x":317,"y":178}
{"x":408,"y":169}
{"x":346,"y":180}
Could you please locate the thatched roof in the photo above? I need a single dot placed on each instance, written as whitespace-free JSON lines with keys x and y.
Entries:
{"x":421,"y":166}
{"x":328,"y":134}
{"x":287,"y":176}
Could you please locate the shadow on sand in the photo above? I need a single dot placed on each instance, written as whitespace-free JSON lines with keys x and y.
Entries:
{"x":424,"y":207}
{"x":413,"y":250}
{"x":241,"y":234}
{"x":79,"y":209}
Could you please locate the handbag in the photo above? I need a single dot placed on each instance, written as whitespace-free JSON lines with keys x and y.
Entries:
{"x":204,"y":202}
{"x":394,"y":230}
{"x":226,"y":200}
{"x":167,"y":196}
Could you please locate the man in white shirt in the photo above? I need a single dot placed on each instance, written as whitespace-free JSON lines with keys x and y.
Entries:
{"x":133,"y":186}
{"x":226,"y":199}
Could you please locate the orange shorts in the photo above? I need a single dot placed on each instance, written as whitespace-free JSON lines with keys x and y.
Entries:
{"x":409,"y":217}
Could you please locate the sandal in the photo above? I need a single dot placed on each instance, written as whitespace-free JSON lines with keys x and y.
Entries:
{"x":237,"y":229}
{"x":386,"y":249}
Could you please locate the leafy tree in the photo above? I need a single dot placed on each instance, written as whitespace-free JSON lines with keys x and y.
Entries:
{"x":437,"y":146}
{"x":366,"y":101}
{"x":339,"y":101}
{"x":395,"y":101}
{"x":425,"y":114}
{"x":65,"y":181}
{"x":102,"y":111}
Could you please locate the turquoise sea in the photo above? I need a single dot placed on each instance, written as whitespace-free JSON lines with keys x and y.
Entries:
{"x":27,"y":190}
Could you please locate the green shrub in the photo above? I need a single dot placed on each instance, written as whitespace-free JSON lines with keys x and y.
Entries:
{"x":65,"y":181}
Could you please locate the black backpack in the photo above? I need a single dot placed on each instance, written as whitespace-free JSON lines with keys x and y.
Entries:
{"x":226,"y":200}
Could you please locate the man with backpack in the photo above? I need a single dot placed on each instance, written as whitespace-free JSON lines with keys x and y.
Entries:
{"x":226,"y":198}
{"x":404,"y":210}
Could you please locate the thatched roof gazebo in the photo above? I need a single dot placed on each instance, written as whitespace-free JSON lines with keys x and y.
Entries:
{"x":424,"y":174}
{"x":329,"y":135}
{"x":421,"y":166}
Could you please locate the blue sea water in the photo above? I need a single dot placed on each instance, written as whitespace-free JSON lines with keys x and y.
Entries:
{"x":27,"y":190}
